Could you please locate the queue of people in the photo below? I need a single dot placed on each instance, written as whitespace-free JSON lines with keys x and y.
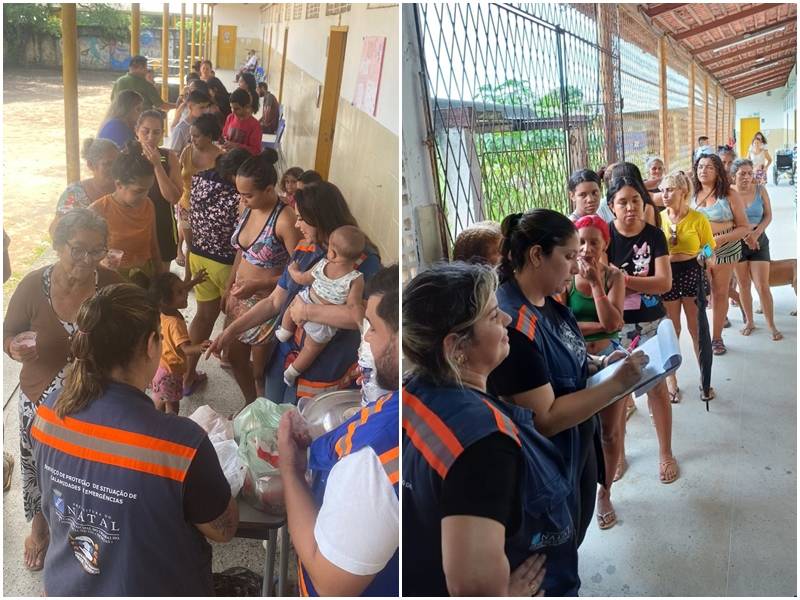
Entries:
{"x":507,"y":454}
{"x":108,"y":358}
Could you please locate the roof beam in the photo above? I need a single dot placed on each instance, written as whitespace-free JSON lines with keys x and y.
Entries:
{"x":753,"y":68}
{"x":660,"y":9}
{"x":758,"y":90}
{"x":758,"y":50}
{"x":738,"y":36}
{"x":777,"y":81}
{"x":758,"y":77}
{"x":704,"y":27}
{"x":751,"y":63}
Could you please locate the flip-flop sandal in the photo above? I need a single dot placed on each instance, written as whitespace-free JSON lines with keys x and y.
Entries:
{"x":718,"y":347}
{"x":199,"y":379}
{"x":8,"y":470}
{"x":662,"y":468}
{"x":777,"y":336}
{"x":747,"y":330}
{"x":40,"y":554}
{"x":606,"y":520}
{"x":727,"y":323}
{"x":675,"y":397}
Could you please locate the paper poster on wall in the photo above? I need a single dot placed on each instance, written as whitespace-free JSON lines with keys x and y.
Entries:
{"x":369,"y":74}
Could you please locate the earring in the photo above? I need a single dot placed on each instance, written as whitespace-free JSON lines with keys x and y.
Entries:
{"x":461,"y":359}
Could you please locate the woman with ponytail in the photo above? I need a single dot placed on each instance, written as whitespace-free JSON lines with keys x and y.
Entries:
{"x":153,"y":478}
{"x":547,"y":366}
{"x":264,"y":239}
{"x":44,"y":307}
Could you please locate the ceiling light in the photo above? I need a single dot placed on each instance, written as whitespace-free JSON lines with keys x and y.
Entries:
{"x":757,"y":84}
{"x":749,"y":71}
{"x":749,"y":37}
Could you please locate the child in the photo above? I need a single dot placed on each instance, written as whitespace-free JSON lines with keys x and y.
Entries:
{"x":241,"y":128}
{"x":333,"y":280}
{"x":171,"y":294}
{"x":130,"y":215}
{"x":197,"y":104}
{"x":584,"y":193}
{"x":288,"y":184}
{"x":480,"y":241}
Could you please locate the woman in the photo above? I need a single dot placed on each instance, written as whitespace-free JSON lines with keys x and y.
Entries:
{"x":654,"y":167}
{"x":687,"y":232}
{"x":583,"y":187}
{"x":213,"y":213}
{"x":200,"y":155}
{"x":595,"y":297}
{"x":321,"y":209}
{"x":754,"y":264}
{"x":626,"y":169}
{"x":46,"y":302}
{"x":247,"y":82}
{"x":220,"y":95}
{"x":459,"y":540}
{"x":168,"y":185}
{"x":727,"y":156}
{"x":121,"y":118}
{"x":151,"y":479}
{"x":193,"y":84}
{"x":723,"y":208}
{"x":547,"y":367}
{"x":264,"y":237}
{"x":640,"y":251}
{"x":760,"y":157}
{"x":99,"y":155}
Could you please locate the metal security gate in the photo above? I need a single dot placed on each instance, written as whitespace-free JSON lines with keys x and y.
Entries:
{"x":518,"y":96}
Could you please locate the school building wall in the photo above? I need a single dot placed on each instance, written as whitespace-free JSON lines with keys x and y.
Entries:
{"x":365,"y":157}
{"x":249,"y":31}
{"x":776,"y":114}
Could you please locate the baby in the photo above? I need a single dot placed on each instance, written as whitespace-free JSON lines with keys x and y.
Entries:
{"x":333,"y":280}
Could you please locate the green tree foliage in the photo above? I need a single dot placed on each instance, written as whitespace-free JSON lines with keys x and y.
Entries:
{"x":21,"y":21}
{"x":107,"y":20}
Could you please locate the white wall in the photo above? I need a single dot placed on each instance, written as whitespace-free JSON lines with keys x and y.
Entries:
{"x":246,"y":18}
{"x":769,"y":108}
{"x":308,"y":43}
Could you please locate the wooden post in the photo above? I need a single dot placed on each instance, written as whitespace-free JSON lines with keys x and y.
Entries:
{"x":182,"y":50}
{"x":201,"y":33}
{"x":194,"y":26}
{"x":69,"y":35}
{"x":705,"y":103}
{"x":136,"y":18}
{"x":605,"y":42}
{"x":283,"y":63}
{"x":716,"y":114}
{"x":662,"y":88}
{"x":692,"y":133}
{"x":208,"y":30}
{"x":165,"y":53}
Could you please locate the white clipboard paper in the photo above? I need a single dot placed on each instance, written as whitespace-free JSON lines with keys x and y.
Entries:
{"x":665,"y":357}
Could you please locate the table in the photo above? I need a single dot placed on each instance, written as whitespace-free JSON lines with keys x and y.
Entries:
{"x":256,"y":525}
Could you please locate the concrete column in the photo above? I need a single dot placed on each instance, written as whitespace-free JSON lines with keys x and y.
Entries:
{"x":662,"y":88}
{"x":135,"y":20}
{"x":182,"y":46}
{"x":194,"y":26}
{"x":165,"y":53}
{"x":69,"y":37}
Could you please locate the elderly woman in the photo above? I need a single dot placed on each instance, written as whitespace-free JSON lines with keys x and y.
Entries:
{"x":120,"y":122}
{"x":36,"y":332}
{"x":152,"y":488}
{"x":99,"y":154}
{"x":654,"y":167}
{"x":484,"y":492}
{"x":754,"y":264}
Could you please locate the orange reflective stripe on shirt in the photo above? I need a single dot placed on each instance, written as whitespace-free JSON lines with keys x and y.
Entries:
{"x":301,"y":580}
{"x":526,"y":322}
{"x":504,"y":424}
{"x":306,"y":387}
{"x":344,"y":444}
{"x":437,"y":444}
{"x":391,"y":464}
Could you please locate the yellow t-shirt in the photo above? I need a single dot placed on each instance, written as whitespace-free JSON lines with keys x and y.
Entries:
{"x":694,"y":232}
{"x":173,"y":334}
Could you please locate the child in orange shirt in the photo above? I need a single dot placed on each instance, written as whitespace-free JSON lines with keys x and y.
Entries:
{"x":130,"y":215}
{"x":171,"y":293}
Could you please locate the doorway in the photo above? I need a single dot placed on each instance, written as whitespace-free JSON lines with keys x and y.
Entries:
{"x":748,"y":127}
{"x":226,"y":47}
{"x":337,"y":43}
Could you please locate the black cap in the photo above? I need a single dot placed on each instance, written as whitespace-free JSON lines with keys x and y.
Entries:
{"x":138,"y":60}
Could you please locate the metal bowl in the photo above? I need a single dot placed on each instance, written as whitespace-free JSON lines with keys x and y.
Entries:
{"x":327,"y":411}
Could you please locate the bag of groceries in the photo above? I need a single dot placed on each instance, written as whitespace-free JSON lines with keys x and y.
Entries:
{"x":220,"y":434}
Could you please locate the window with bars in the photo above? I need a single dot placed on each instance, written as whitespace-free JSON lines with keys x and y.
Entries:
{"x":336,"y":8}
{"x":312,"y":10}
{"x":516,"y":104}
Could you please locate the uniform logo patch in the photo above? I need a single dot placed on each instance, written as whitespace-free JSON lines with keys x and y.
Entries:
{"x":87,"y":552}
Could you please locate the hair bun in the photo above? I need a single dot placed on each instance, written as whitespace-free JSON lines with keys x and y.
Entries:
{"x":510,"y":223}
{"x":269,"y":155}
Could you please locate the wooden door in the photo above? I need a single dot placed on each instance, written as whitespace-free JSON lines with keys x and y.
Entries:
{"x":226,"y":47}
{"x":748,"y":127}
{"x":330,"y":99}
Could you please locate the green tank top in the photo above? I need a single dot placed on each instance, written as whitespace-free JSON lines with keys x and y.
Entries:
{"x":583,"y":308}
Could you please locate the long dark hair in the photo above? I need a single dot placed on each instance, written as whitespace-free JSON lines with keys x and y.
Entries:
{"x":722,"y":185}
{"x":113,"y":328}
{"x":250,"y":80}
{"x":221,"y":96}
{"x":632,"y":172}
{"x":537,"y":227}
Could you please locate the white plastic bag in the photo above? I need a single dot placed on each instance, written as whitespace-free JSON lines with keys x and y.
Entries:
{"x":232,"y":466}
{"x":216,"y":426}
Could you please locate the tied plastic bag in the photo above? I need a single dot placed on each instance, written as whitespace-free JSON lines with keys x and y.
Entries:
{"x":256,"y":431}
{"x":220,"y":434}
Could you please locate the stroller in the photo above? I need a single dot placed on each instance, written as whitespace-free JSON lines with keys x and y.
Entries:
{"x":785,"y":164}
